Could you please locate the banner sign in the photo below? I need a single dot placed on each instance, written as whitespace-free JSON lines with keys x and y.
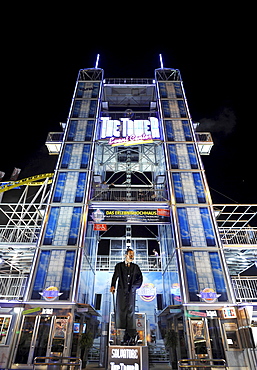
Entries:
{"x":127,"y":215}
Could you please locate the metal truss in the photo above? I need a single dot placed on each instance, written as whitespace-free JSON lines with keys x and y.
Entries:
{"x":20,"y":223}
{"x":91,"y":74}
{"x":149,"y":158}
{"x":167,"y":74}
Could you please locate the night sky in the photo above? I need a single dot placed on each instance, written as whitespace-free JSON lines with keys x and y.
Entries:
{"x":214,"y":50}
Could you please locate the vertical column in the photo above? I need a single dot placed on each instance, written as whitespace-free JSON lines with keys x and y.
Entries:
{"x":200,"y":262}
{"x":62,"y":242}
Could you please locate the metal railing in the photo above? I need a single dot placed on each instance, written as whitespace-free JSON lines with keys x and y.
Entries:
{"x":19,"y":234}
{"x":128,"y":81}
{"x":12,"y":287}
{"x":54,"y":362}
{"x":204,"y":363}
{"x":236,"y":235}
{"x":245,"y":289}
{"x":129,"y":194}
{"x":107,"y":263}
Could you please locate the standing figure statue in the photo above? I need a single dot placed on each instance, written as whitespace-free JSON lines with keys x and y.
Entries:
{"x":130,"y":279}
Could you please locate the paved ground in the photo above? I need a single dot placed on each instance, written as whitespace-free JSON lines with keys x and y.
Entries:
{"x":159,"y":366}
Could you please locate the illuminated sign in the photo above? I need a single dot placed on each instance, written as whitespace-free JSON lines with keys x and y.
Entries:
{"x":208,"y":295}
{"x":211,"y":313}
{"x":131,"y":140}
{"x":127,"y":358}
{"x":228,"y":312}
{"x":147,"y":292}
{"x":100,"y":227}
{"x":197,"y":313}
{"x":129,"y":132}
{"x":100,"y":216}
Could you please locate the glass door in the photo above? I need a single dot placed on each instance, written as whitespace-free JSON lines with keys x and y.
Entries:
{"x":200,"y":338}
{"x":216,"y":338}
{"x":25,"y":339}
{"x":41,"y":342}
{"x":34,"y":339}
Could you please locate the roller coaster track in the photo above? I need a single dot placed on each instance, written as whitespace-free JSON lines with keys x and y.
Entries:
{"x":31,"y":181}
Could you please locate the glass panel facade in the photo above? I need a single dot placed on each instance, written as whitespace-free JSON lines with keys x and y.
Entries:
{"x":208,"y":228}
{"x":218,"y":276}
{"x":191,"y":275}
{"x":76,"y":156}
{"x":55,"y":269}
{"x":67,"y":275}
{"x":184,"y":226}
{"x":51,"y":225}
{"x":63,"y":226}
{"x":80,"y":130}
{"x":41,"y":274}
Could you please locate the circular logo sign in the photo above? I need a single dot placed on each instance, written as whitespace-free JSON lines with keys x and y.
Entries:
{"x":147,"y":292}
{"x":50,"y":293}
{"x":208,"y":295}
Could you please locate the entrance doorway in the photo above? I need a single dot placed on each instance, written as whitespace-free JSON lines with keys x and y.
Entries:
{"x":41,"y":336}
{"x":206,"y":336}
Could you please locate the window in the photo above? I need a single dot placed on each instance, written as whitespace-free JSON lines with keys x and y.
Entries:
{"x":208,"y":228}
{"x":218,"y":276}
{"x":81,"y":130}
{"x":199,"y":187}
{"x":76,"y":156}
{"x":173,"y":156}
{"x":184,"y":226}
{"x":192,"y":284}
{"x":55,"y":268}
{"x":178,"y":188}
{"x":51,"y":225}
{"x":192,"y":156}
{"x":169,"y":130}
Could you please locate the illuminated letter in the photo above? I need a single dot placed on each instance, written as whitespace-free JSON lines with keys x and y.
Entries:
{"x":138,"y":127}
{"x":103,"y":128}
{"x":124,"y":126}
{"x":109,"y":128}
{"x":155,"y":128}
{"x":116,"y":128}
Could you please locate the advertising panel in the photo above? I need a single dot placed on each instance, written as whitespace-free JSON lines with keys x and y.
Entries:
{"x":129,"y":215}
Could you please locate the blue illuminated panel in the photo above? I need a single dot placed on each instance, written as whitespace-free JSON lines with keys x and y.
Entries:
{"x":208,"y":228}
{"x":184,"y":226}
{"x":67,"y":275}
{"x":74,"y":227}
{"x":51,"y":225}
{"x":80,"y":130}
{"x":218,"y":276}
{"x":199,"y":187}
{"x":56,"y":269}
{"x":41,"y":274}
{"x":191,"y":275}
{"x":76,"y":156}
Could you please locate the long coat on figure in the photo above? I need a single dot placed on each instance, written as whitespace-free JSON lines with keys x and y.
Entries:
{"x":130,"y":279}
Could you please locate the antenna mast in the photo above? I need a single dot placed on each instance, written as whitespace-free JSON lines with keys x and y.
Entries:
{"x":97,"y":60}
{"x":160,"y":55}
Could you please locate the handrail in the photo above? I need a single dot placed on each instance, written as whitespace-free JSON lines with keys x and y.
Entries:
{"x":199,"y":363}
{"x":73,"y":361}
